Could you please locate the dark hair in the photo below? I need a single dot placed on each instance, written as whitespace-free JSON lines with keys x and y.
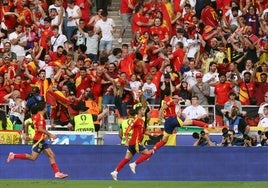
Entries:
{"x":83,"y":68}
{"x":117,"y":51}
{"x":3,"y":118}
{"x":247,"y":73}
{"x":83,"y":47}
{"x":195,"y":96}
{"x":42,"y":70}
{"x":41,"y":106}
{"x":212,"y":63}
{"x":104,"y":13}
{"x":47,"y":19}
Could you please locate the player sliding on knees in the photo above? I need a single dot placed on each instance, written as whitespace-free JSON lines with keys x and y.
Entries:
{"x":134,"y":144}
{"x":39,"y":143}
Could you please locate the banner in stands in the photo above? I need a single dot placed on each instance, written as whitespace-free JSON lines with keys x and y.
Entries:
{"x":10,"y":137}
{"x":73,"y":138}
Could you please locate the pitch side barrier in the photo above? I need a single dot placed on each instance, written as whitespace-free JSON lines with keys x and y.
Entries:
{"x":168,"y":164}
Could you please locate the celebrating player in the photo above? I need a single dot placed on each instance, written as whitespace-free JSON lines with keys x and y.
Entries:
{"x":39,"y":143}
{"x":134,"y":144}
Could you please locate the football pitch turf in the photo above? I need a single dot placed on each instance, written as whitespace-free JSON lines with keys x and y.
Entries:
{"x":124,"y":184}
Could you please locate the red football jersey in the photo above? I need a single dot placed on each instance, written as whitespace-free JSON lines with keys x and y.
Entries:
{"x":39,"y":120}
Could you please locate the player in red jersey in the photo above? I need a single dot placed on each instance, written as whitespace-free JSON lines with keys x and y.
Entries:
{"x":39,"y":143}
{"x":134,"y":144}
{"x":172,"y":120}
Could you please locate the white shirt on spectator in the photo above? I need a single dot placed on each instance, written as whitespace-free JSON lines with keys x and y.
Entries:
{"x":57,"y":8}
{"x":19,"y":50}
{"x":55,"y":22}
{"x":58,"y":41}
{"x":190,"y":77}
{"x":263,"y":122}
{"x":174,"y":41}
{"x":260,"y":111}
{"x":135,"y":85}
{"x":149,"y":90}
{"x":106,"y":28}
{"x":72,"y":13}
{"x":43,"y":66}
{"x":92,"y":44}
{"x":193,"y":112}
{"x":193,"y":47}
{"x":208,"y":76}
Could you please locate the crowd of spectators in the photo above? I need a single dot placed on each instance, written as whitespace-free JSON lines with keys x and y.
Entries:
{"x":191,"y":48}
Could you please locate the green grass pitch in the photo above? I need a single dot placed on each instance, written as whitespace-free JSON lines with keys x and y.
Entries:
{"x":125,"y":184}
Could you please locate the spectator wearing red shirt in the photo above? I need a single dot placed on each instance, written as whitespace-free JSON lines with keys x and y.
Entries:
{"x":160,"y":30}
{"x":96,"y":76}
{"x":139,"y":21}
{"x":7,"y":64}
{"x":177,"y":57}
{"x":82,"y":81}
{"x":7,"y":14}
{"x":127,"y":63}
{"x":246,"y":88}
{"x":188,"y":16}
{"x":222,"y":90}
{"x":261,"y":88}
{"x":26,"y":16}
{"x":126,"y":12}
{"x":209,"y":15}
{"x":84,"y":6}
{"x":47,"y":33}
{"x":59,"y":55}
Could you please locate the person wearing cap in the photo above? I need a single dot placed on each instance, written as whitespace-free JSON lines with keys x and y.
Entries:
{"x":84,"y":122}
{"x":201,"y":89}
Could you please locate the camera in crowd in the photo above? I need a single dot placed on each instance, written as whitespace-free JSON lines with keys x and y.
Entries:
{"x":261,"y":133}
{"x":198,"y":135}
{"x":263,"y":137}
{"x":202,"y":141}
{"x":225,"y":133}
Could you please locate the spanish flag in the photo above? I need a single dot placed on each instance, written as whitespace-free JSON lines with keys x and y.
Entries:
{"x":57,"y":96}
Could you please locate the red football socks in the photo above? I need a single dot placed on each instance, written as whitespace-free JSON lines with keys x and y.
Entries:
{"x":199,"y":123}
{"x":121,"y":164}
{"x":55,"y":168}
{"x":142,"y":158}
{"x":20,"y":156}
{"x":158,"y":145}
